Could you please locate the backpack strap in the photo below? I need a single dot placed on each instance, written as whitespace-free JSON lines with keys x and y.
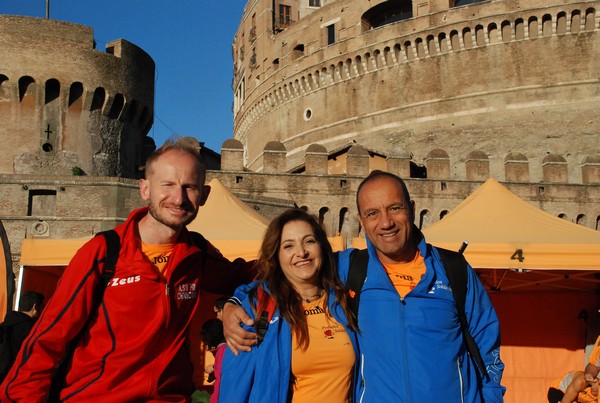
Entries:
{"x":455,"y":267}
{"x":357,"y":274}
{"x":113,"y":247}
{"x":202,"y":244}
{"x":199,"y":241}
{"x":262,"y":324}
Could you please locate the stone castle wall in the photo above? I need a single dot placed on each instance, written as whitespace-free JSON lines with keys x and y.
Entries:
{"x":333,"y":196}
{"x":72,"y":207}
{"x":68,"y":108}
{"x":497,"y":77}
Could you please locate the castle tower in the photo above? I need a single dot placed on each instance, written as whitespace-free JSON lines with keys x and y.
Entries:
{"x":499,"y":76}
{"x":68,"y":108}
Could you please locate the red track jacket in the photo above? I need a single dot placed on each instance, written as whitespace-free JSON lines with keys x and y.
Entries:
{"x":135,"y":348}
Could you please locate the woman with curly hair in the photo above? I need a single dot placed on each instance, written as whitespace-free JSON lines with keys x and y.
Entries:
{"x":307,"y":346}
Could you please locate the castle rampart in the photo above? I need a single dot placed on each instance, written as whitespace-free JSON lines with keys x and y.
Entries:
{"x":72,"y":207}
{"x":332,"y":195}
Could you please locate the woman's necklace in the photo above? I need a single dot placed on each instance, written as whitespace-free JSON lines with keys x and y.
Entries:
{"x":315,"y":297}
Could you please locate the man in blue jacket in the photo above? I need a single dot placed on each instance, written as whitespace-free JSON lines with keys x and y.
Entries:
{"x":411,"y":344}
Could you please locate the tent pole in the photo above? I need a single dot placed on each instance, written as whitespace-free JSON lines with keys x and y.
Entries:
{"x":19,"y":285}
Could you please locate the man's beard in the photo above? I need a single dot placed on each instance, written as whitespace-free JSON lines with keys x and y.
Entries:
{"x":173,"y":225}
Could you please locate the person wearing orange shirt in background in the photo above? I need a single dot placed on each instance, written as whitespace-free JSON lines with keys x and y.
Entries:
{"x":573,"y":387}
{"x":578,"y":386}
{"x":592,"y":369}
{"x":308,"y":350}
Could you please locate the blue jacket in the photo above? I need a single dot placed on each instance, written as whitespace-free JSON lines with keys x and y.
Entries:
{"x":412,"y":348}
{"x":263,"y":375}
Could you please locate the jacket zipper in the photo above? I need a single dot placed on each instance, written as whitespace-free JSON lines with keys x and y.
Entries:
{"x":362,"y":378}
{"x":460,"y":381}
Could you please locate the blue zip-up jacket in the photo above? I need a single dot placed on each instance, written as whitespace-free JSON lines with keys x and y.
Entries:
{"x":412,"y":348}
{"x":263,"y":375}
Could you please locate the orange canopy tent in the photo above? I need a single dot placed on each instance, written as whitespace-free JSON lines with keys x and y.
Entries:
{"x":542,"y":274}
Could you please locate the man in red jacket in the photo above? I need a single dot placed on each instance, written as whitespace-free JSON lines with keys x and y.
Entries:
{"x":134,"y":346}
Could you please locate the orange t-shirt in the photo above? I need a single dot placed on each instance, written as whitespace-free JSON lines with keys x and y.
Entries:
{"x":584,"y":396}
{"x":324,"y":371}
{"x":595,"y":354}
{"x":405,"y":276}
{"x":158,"y":255}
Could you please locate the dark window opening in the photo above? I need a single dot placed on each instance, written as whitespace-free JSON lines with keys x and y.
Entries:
{"x":458,"y":3}
{"x":417,"y":171}
{"x":52,"y":90}
{"x":343,"y":217}
{"x":423,"y":219}
{"x":117,"y":107}
{"x":314,"y":3}
{"x":323,"y":211}
{"x":98,"y":100}
{"x":330,"y":34}
{"x":298,"y":51}
{"x":24,"y":83}
{"x":42,"y":202}
{"x":75,"y":92}
{"x":386,"y":13}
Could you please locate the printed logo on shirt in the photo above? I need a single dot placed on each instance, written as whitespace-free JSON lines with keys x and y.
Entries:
{"x":439,"y":285}
{"x":162,"y":259}
{"x":116,"y":281}
{"x":329,"y":333}
{"x":187,"y":291}
{"x":315,"y":310}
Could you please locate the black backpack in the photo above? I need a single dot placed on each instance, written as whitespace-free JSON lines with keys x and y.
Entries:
{"x":455,"y":267}
{"x":6,"y":354}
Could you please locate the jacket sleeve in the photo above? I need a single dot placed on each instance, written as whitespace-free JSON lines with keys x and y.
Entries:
{"x":237,"y":372}
{"x":485,"y":329}
{"x":221,"y":276}
{"x":61,"y":320}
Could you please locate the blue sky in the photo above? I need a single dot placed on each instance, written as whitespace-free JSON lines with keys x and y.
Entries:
{"x":190,"y":42}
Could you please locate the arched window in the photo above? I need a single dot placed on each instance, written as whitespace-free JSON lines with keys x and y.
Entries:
{"x":386,"y":13}
{"x":343,"y":219}
{"x":52,"y":90}
{"x":423,"y":219}
{"x":98,"y":100}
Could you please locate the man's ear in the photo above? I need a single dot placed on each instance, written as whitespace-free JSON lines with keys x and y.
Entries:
{"x":204,"y":196}
{"x":144,"y":189}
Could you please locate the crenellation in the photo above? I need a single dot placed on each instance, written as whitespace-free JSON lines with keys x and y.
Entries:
{"x":438,"y":164}
{"x":477,"y":166}
{"x":590,"y":169}
{"x":555,"y":169}
{"x":516,"y":168}
{"x":274,"y":160}
{"x":357,"y":161}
